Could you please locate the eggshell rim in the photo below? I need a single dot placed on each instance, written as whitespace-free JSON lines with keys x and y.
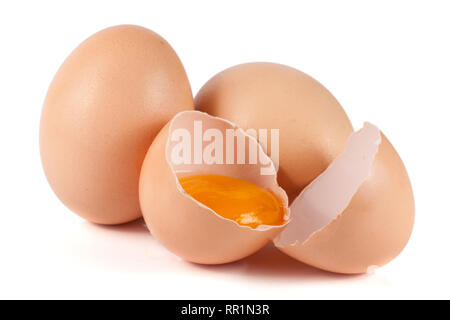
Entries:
{"x":284,"y":200}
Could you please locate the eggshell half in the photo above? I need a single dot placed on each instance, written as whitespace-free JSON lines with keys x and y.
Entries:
{"x":357,"y":214}
{"x":183,"y":225}
{"x":103,"y":109}
{"x":313,"y":126}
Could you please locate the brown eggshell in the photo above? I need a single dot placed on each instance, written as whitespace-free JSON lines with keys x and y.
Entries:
{"x":374,"y":227}
{"x":103,"y":109}
{"x":186,"y":227}
{"x":313,"y":126}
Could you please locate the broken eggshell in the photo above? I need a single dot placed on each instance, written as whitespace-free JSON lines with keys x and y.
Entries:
{"x":357,"y":214}
{"x":183,"y":225}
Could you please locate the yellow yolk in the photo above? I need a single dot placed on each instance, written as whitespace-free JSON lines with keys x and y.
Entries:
{"x":235,"y":199}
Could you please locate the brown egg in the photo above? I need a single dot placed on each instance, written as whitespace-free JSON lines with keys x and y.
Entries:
{"x":358,"y":214}
{"x":313,"y":126}
{"x":105,"y":105}
{"x":185,"y":226}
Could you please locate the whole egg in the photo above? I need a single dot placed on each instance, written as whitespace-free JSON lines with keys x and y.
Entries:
{"x":105,"y":105}
{"x":313,"y":127}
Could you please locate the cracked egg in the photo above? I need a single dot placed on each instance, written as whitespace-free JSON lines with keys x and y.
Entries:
{"x":357,"y":214}
{"x":208,"y":204}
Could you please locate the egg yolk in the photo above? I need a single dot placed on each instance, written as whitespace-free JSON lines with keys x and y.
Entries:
{"x":235,"y":199}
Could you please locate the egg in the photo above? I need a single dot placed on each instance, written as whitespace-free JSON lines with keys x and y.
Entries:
{"x":313,"y":126}
{"x":358,"y":214}
{"x":351,"y":201}
{"x":104,"y":107}
{"x":192,"y":146}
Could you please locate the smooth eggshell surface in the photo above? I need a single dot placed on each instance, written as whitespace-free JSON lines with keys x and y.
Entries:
{"x":375,"y":226}
{"x":313,"y":126}
{"x":103,"y":109}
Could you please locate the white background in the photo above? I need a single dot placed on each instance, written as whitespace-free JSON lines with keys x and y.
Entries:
{"x":386,"y":61}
